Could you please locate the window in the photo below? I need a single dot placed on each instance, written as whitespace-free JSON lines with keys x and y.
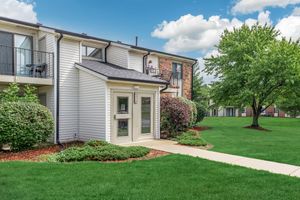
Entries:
{"x":92,"y":52}
{"x":23,"y":53}
{"x":122,"y":105}
{"x":123,"y":127}
{"x":146,"y":115}
{"x":177,"y":70}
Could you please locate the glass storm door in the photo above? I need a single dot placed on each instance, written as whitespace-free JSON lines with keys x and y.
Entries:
{"x":122,"y":118}
{"x":146,"y":115}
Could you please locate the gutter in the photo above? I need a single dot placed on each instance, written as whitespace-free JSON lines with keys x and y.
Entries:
{"x":144,"y":57}
{"x":192,"y":85}
{"x":57,"y":86}
{"x":105,"y":51}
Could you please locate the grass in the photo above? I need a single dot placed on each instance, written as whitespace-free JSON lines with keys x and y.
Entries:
{"x":167,"y":177}
{"x":281,"y":144}
{"x":191,"y":138}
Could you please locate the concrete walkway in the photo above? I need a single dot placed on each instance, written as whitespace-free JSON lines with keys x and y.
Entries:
{"x":173,"y":147}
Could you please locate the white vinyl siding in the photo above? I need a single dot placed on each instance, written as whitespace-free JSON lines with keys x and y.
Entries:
{"x":118,"y":56}
{"x":108,"y":115}
{"x":154,"y":60}
{"x":157,"y":115}
{"x":49,"y":91}
{"x":69,"y":54}
{"x":92,"y":111}
{"x":136,"y":61}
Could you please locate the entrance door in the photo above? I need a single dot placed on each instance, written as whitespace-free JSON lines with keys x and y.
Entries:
{"x":122,"y":118}
{"x":133,"y":117}
{"x":143,"y":116}
{"x":230,"y":112}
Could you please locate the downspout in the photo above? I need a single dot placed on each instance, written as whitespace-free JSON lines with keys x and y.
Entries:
{"x":166,"y":87}
{"x":105,"y":51}
{"x":144,"y":63}
{"x":57,"y":86}
{"x":192,"y":84}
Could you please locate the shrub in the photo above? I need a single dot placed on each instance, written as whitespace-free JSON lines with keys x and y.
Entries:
{"x":96,"y":143}
{"x":24,"y":124}
{"x":12,"y":94}
{"x":201,"y":112}
{"x":100,"y":151}
{"x":192,"y":110}
{"x":174,"y":115}
{"x":191,"y":138}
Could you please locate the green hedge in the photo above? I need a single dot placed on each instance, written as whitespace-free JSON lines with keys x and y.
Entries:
{"x":201,"y":112}
{"x":24,"y":124}
{"x":100,"y":151}
{"x":191,"y":138}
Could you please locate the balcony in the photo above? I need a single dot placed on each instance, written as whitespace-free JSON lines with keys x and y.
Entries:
{"x":26,"y":66}
{"x":173,"y":78}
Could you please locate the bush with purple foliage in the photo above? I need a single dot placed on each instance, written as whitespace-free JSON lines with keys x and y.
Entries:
{"x":175,"y":116}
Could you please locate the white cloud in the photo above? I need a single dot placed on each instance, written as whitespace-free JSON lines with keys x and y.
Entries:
{"x":289,"y":27}
{"x":17,"y":9}
{"x":296,"y":11}
{"x":195,"y":33}
{"x":250,"y":6}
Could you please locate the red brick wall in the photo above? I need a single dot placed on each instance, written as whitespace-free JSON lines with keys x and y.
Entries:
{"x":270,"y":111}
{"x":165,"y":64}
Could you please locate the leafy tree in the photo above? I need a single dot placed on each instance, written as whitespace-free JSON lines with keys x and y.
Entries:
{"x":200,"y":90}
{"x":254,"y":68}
{"x":291,"y":102}
{"x":13,"y":94}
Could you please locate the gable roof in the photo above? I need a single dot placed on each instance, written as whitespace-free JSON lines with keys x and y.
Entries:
{"x":115,"y":72}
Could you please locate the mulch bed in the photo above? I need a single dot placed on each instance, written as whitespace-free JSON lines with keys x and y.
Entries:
{"x":34,"y":154}
{"x":257,"y":128}
{"x":152,"y":154}
{"x":200,"y":128}
{"x":29,"y":154}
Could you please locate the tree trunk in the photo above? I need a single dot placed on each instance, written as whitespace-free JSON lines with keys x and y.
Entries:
{"x":256,"y":113}
{"x":255,"y":120}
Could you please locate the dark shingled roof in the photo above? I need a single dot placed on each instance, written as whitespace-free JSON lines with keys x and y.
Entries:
{"x":115,"y":72}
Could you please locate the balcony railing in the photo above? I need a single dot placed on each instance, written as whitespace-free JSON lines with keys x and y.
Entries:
{"x":26,"y":62}
{"x":173,"y":78}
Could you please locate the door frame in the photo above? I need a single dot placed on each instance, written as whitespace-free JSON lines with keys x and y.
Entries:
{"x":137,"y":136}
{"x":115,"y":116}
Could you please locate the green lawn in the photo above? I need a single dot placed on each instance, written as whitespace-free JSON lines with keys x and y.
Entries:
{"x":281,"y":144}
{"x":169,"y":177}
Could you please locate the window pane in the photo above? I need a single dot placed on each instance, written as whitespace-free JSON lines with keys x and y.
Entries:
{"x":93,"y":52}
{"x":22,"y":41}
{"x":23,"y":53}
{"x":123,"y":127}
{"x":122,"y":105}
{"x":177,"y":70}
{"x":146,"y":114}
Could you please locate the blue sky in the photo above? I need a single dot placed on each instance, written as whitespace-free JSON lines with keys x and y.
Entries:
{"x":187,"y":27}
{"x":124,"y":19}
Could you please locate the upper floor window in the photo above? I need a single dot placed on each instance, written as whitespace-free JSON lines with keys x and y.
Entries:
{"x":92,"y":52}
{"x":177,"y":70}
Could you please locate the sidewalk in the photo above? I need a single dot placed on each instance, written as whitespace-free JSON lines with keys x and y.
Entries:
{"x":172,"y":147}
